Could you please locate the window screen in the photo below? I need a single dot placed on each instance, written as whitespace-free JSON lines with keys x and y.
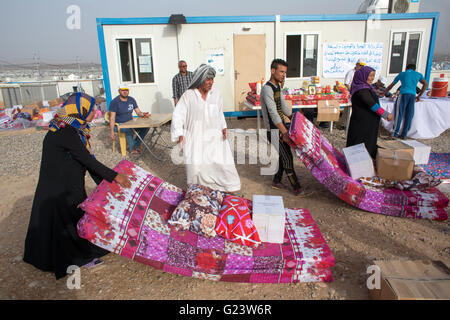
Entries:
{"x":145,"y":60}
{"x":310,"y":45}
{"x":293,"y":56}
{"x":413,"y":48}
{"x":397,"y":53}
{"x":126,"y":60}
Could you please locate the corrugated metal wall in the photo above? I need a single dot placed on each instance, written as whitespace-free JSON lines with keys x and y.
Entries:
{"x":29,"y":93}
{"x":50,"y":92}
{"x":11,"y":96}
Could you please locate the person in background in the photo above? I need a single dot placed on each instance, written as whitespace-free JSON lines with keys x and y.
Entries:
{"x":404,"y":105}
{"x":52,"y":243}
{"x":181,"y":81}
{"x":273,"y":108}
{"x":380,"y":87}
{"x":366,"y":113}
{"x":349,"y":76}
{"x":199,"y":126}
{"x":121,"y":111}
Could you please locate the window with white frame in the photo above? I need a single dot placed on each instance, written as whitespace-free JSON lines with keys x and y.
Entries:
{"x":405,"y":48}
{"x":136,"y":60}
{"x":302,"y":55}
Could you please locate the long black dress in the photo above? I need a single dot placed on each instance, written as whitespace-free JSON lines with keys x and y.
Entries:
{"x":52,"y":243}
{"x":364,"y":123}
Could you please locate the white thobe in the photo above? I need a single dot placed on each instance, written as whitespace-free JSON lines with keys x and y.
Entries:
{"x":349,"y":77}
{"x":207,"y":156}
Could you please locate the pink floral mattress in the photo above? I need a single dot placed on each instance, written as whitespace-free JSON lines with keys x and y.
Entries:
{"x":328,"y":166}
{"x":132,"y":223}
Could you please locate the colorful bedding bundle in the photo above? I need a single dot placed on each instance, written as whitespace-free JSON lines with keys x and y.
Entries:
{"x":133,"y":223}
{"x":328,"y":166}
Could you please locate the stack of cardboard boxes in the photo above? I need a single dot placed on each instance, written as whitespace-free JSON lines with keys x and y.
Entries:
{"x":37,"y":109}
{"x":395,"y":159}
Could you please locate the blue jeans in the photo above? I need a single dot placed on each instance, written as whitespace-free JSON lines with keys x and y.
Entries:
{"x":404,"y":112}
{"x":133,"y":142}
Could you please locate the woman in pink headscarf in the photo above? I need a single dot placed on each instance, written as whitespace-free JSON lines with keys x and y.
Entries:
{"x":366,"y":111}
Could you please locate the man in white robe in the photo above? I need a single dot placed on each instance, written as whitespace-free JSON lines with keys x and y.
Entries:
{"x":199,"y":126}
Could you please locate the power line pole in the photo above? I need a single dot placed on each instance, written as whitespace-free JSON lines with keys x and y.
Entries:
{"x":79,"y":68}
{"x":36,"y":59}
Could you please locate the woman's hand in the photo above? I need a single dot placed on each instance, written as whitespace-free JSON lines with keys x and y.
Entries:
{"x":113,"y":136}
{"x":390,"y":117}
{"x":122,"y":180}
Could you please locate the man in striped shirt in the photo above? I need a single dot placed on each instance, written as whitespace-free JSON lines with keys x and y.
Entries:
{"x":181,"y":81}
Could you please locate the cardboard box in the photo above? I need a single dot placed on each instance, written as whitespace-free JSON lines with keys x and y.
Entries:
{"x":55,"y":102}
{"x":33,"y":107}
{"x":421,"y":151}
{"x":394,"y":165}
{"x":269,"y":218}
{"x":328,"y":110}
{"x":396,"y":145}
{"x":359,"y":162}
{"x":30,"y":110}
{"x":412,"y":280}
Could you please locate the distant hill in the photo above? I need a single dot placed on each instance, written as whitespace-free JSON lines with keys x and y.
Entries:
{"x":43,"y":66}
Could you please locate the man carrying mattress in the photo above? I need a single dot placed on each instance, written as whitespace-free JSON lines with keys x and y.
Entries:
{"x":273,"y":108}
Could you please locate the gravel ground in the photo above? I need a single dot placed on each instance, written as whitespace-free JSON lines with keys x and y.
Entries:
{"x":355,"y":237}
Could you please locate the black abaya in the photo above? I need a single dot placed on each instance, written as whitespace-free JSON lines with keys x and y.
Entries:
{"x":52,"y":242}
{"x":364,"y":123}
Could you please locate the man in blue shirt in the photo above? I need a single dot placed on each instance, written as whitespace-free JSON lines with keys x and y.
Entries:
{"x":121,"y":111}
{"x":404,"y":105}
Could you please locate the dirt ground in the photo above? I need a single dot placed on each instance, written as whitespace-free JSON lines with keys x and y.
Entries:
{"x":355,"y":237}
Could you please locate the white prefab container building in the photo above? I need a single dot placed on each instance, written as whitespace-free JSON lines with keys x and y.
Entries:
{"x":144,"y":52}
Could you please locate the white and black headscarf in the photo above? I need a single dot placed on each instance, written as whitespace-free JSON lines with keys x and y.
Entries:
{"x":203,"y":72}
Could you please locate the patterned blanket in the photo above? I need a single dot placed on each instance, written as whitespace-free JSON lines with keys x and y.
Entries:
{"x":328,"y":166}
{"x":438,"y":166}
{"x":131,"y":223}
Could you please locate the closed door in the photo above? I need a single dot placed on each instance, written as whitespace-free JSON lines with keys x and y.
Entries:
{"x":249,"y":64}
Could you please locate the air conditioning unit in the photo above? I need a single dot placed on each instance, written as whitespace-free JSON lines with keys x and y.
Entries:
{"x":404,"y":6}
{"x":374,"y":6}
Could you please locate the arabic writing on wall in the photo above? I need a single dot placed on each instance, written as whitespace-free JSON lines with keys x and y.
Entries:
{"x":340,"y":57}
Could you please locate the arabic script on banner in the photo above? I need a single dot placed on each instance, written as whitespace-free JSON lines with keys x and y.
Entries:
{"x":340,"y":57}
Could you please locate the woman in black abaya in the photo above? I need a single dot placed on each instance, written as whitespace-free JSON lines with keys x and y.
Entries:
{"x":366,"y":111}
{"x":52,"y":242}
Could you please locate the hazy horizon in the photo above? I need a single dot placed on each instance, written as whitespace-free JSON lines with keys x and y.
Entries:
{"x":34,"y":30}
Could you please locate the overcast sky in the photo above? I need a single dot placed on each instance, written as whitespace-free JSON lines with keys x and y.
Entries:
{"x":31,"y":27}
